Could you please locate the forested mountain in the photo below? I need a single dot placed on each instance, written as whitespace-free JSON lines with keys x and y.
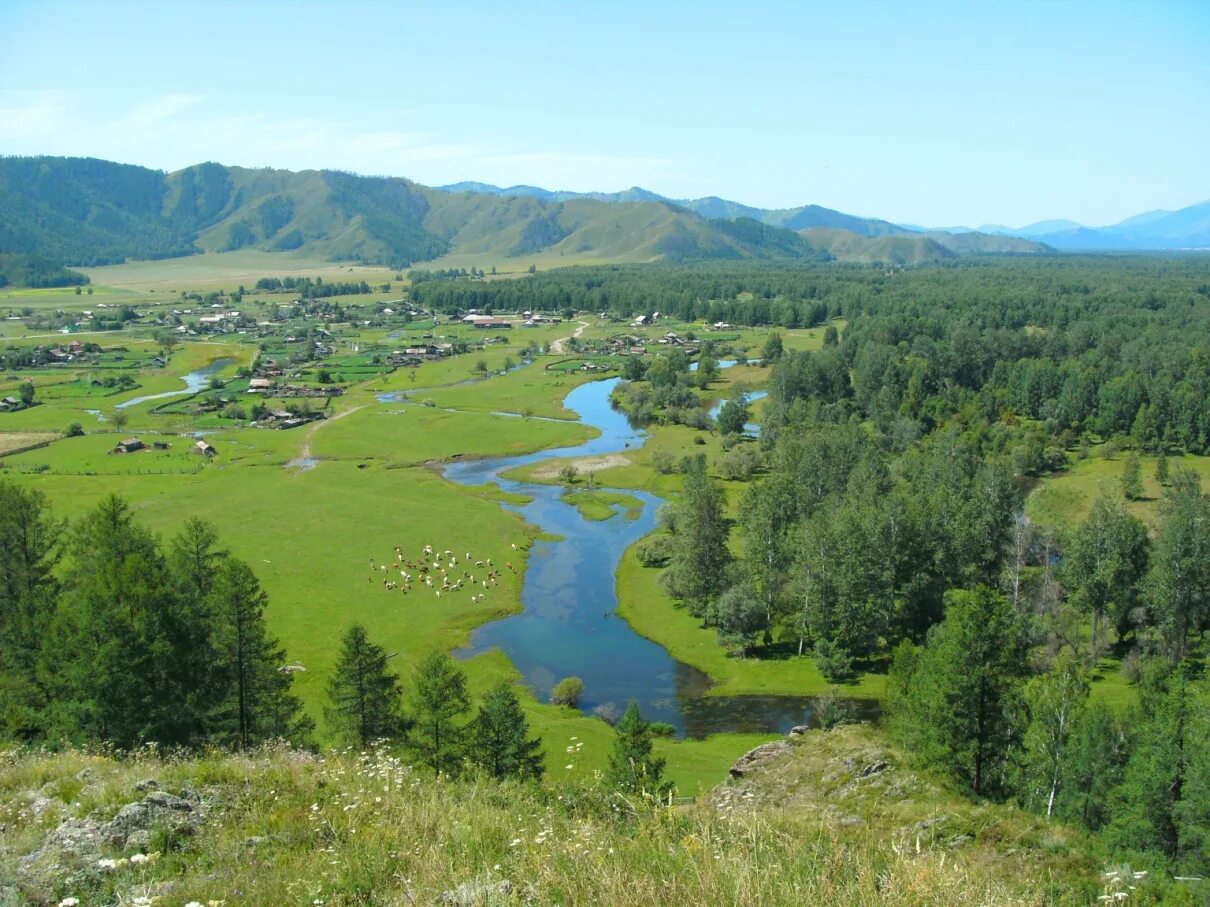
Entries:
{"x":711,"y":207}
{"x":84,"y":211}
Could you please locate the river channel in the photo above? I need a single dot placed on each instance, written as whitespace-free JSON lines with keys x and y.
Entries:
{"x":569,"y":624}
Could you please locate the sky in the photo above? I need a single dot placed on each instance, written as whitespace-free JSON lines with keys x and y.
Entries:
{"x":929,"y":113}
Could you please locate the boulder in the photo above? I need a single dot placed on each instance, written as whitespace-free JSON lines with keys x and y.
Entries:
{"x":758,"y":756}
{"x":135,"y":821}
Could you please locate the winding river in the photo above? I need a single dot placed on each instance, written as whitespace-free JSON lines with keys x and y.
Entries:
{"x":569,"y":624}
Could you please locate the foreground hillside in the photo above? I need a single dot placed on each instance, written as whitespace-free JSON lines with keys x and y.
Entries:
{"x":825,"y":817}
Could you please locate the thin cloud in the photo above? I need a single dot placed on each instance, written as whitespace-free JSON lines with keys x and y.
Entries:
{"x":29,"y":114}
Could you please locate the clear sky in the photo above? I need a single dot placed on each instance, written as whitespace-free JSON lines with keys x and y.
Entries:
{"x":922,"y":112}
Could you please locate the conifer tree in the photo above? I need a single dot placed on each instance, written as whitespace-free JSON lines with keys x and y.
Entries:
{"x":365,"y":699}
{"x":700,"y":558}
{"x":965,"y":692}
{"x":439,"y":702}
{"x":500,"y":741}
{"x":29,"y":551}
{"x":1132,"y":477}
{"x":632,"y":767}
{"x":1179,"y":585}
{"x":257,"y":702}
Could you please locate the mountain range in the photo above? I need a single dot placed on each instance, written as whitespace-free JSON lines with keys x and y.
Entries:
{"x":84,"y":211}
{"x":1188,"y":228}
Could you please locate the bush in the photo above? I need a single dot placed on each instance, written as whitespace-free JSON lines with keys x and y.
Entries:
{"x":661,"y":729}
{"x":655,"y":552}
{"x":567,"y":692}
{"x":739,"y":463}
{"x":663,"y":462}
{"x":834,"y":663}
{"x":831,"y":710}
{"x":74,"y":430}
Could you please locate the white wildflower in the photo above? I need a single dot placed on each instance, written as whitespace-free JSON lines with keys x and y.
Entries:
{"x":70,"y":902}
{"x":107,"y":864}
{"x":139,"y":859}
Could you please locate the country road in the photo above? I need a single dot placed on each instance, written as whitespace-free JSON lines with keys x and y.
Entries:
{"x":558,"y":345}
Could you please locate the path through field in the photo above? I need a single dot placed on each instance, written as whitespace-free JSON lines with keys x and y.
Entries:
{"x":557,"y":346}
{"x":304,"y":459}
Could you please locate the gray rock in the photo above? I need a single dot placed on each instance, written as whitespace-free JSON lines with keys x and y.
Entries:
{"x":478,"y":893}
{"x":158,"y":809}
{"x":39,"y":804}
{"x":874,"y":768}
{"x":147,"y":784}
{"x":758,"y":756}
{"x":798,"y":730}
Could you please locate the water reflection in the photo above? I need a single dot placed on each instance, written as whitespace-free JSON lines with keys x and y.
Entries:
{"x":569,"y":624}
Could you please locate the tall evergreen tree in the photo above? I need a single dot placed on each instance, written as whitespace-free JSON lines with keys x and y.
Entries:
{"x":965,"y":692}
{"x":125,"y":644}
{"x":500,"y":740}
{"x":1097,"y":754}
{"x":257,"y":702}
{"x":439,"y":702}
{"x":1132,"y":477}
{"x":29,"y":551}
{"x":364,"y":696}
{"x":632,"y":767}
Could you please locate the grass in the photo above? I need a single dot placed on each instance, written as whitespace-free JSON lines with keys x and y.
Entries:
{"x":227,"y":271}
{"x":358,"y":828}
{"x":602,"y":505}
{"x":12,"y":442}
{"x":1064,"y":500}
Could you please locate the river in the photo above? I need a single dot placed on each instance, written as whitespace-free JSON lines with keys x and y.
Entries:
{"x":569,"y":624}
{"x":194,"y":382}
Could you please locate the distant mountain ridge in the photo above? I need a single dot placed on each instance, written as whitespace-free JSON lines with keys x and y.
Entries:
{"x":84,"y":211}
{"x":1188,"y":228}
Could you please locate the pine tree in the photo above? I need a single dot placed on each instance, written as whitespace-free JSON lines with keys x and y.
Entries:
{"x":965,"y":692}
{"x":438,"y":703}
{"x":1097,"y":753}
{"x":1161,"y":466}
{"x":500,"y":741}
{"x":29,"y":551}
{"x":257,"y":703}
{"x":125,"y":646}
{"x":632,"y":767}
{"x":365,"y":699}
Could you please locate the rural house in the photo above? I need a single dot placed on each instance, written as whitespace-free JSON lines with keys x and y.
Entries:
{"x":130,"y":445}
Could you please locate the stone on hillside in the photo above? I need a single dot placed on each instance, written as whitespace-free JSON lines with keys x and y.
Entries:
{"x":479,"y":893}
{"x":158,"y":809}
{"x":798,"y":730}
{"x":758,"y":756}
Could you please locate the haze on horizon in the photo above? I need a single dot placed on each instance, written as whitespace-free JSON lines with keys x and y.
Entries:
{"x":936,"y":114}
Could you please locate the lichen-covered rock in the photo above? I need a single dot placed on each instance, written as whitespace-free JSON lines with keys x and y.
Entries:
{"x":158,"y":809}
{"x":761,"y":754}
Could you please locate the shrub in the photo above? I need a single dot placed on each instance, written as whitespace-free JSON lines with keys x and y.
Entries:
{"x":834,"y":663}
{"x":567,"y":692}
{"x":656,"y":551}
{"x":74,"y":430}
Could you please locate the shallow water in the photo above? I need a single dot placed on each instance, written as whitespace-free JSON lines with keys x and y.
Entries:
{"x":750,"y":428}
{"x":569,"y":625}
{"x":194,"y":382}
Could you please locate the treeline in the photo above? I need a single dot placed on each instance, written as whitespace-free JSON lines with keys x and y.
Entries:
{"x":37,"y":272}
{"x":313,"y":288}
{"x":968,"y":704}
{"x":107,"y":634}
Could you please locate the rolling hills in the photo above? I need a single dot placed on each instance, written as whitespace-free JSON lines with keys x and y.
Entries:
{"x":83,"y":211}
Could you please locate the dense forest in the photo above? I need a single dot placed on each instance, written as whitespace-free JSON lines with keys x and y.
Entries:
{"x":36,"y":272}
{"x":882,"y":523}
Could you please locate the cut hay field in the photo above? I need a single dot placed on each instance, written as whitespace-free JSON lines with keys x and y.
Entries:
{"x":213,"y":270}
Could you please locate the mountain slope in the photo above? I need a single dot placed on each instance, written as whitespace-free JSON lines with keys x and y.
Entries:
{"x":917,"y":248}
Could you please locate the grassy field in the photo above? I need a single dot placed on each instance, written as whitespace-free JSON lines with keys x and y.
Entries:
{"x":1065,"y":499}
{"x":227,"y":270}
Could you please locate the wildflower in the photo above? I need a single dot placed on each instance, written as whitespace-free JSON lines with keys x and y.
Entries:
{"x":194,"y":904}
{"x":139,"y":859}
{"x":107,"y":864}
{"x":569,"y":766}
{"x":70,"y":902}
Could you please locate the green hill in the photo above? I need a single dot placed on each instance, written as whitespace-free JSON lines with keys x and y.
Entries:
{"x":915,"y":248}
{"x":83,"y":211}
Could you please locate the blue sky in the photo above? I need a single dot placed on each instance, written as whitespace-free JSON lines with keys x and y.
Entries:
{"x":924,"y":112}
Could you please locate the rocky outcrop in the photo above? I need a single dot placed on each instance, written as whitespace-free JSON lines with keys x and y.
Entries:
{"x":762,"y":754}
